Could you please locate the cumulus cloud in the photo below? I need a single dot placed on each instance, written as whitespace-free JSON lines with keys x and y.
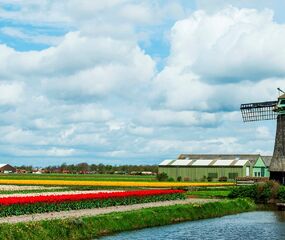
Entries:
{"x":230,"y":45}
{"x":11,"y":93}
{"x":95,"y":93}
{"x":216,"y":145}
{"x":178,"y":118}
{"x":220,"y":60}
{"x":80,"y":66}
{"x":90,"y":113}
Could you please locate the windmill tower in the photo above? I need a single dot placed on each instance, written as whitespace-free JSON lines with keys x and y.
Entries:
{"x":270,"y":111}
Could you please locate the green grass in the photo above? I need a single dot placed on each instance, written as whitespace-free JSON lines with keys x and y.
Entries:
{"x":92,"y":227}
{"x":34,"y":191}
{"x":210,"y":193}
{"x":79,"y":177}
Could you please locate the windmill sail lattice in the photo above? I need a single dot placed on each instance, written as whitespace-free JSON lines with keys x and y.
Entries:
{"x":258,"y":111}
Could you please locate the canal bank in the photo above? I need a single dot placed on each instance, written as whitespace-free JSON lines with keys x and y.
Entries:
{"x":262,"y":225}
{"x":92,"y":227}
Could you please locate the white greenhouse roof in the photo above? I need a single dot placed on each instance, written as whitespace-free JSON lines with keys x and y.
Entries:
{"x":166,"y":162}
{"x":181,"y":162}
{"x":205,"y":162}
{"x":240,"y":162}
{"x":202,"y":162}
{"x":223,"y":163}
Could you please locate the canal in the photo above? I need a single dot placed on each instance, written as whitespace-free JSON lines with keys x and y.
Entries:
{"x":245,"y":226}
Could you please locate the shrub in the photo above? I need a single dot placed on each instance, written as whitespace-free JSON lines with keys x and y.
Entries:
{"x":210,"y":179}
{"x":260,"y":192}
{"x":274,"y":186}
{"x":281,"y":194}
{"x":243,"y":191}
{"x":263,"y":193}
{"x":179,"y":179}
{"x":223,"y":179}
{"x":171,"y":179}
{"x":204,"y":179}
{"x":162,"y":177}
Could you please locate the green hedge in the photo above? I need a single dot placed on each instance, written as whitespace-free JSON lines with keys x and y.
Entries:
{"x":18,"y":209}
{"x":259,"y":192}
{"x":92,"y":227}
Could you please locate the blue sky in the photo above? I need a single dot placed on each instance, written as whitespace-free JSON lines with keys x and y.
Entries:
{"x":136,"y":82}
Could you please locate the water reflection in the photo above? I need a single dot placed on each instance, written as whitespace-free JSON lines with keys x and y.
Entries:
{"x":280,"y":215}
{"x":253,"y":225}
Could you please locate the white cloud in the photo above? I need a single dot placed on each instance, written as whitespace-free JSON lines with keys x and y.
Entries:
{"x":141,"y":131}
{"x":11,"y":93}
{"x":13,"y":135}
{"x":96,"y":94}
{"x":20,"y":34}
{"x":178,"y":118}
{"x":90,"y":113}
{"x":80,"y":66}
{"x":229,"y":45}
{"x":221,"y":60}
{"x":41,"y":123}
{"x":137,"y":13}
{"x":115,"y":125}
{"x":215,"y":145}
{"x":59,"y":152}
{"x":263,"y":133}
{"x":51,"y":152}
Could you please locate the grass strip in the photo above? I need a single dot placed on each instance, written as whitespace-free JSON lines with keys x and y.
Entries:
{"x":92,"y":227}
{"x":210,"y":194}
{"x":21,"y":209}
{"x":79,"y":177}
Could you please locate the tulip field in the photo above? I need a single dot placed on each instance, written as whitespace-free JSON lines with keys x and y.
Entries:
{"x":6,"y":201}
{"x":19,"y":205}
{"x":112,"y":183}
{"x":97,"y":180}
{"x":29,"y":194}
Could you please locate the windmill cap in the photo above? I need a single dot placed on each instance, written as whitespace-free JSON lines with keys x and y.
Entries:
{"x":282,"y":96}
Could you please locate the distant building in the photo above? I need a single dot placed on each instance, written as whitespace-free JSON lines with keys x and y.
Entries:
{"x":201,"y":167}
{"x":7,"y":168}
{"x":21,"y":171}
{"x":147,"y":173}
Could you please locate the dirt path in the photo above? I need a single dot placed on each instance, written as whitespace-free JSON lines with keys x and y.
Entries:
{"x":97,"y":211}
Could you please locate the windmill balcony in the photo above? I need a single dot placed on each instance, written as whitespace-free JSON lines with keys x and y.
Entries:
{"x":280,"y":106}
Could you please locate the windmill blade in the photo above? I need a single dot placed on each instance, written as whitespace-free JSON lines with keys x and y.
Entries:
{"x":258,"y":111}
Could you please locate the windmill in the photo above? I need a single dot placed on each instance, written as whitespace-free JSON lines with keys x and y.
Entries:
{"x":270,"y":111}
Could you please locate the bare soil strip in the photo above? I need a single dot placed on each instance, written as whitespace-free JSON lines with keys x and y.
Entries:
{"x":97,"y":211}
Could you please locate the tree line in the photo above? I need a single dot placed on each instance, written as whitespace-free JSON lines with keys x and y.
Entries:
{"x":96,"y":168}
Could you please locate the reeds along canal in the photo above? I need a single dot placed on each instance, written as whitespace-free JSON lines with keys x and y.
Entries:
{"x":260,"y":225}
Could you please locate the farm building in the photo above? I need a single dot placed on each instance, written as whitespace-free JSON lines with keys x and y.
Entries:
{"x":7,"y":168}
{"x":194,"y":167}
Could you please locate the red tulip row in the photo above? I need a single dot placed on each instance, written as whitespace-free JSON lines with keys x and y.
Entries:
{"x":83,"y":196}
